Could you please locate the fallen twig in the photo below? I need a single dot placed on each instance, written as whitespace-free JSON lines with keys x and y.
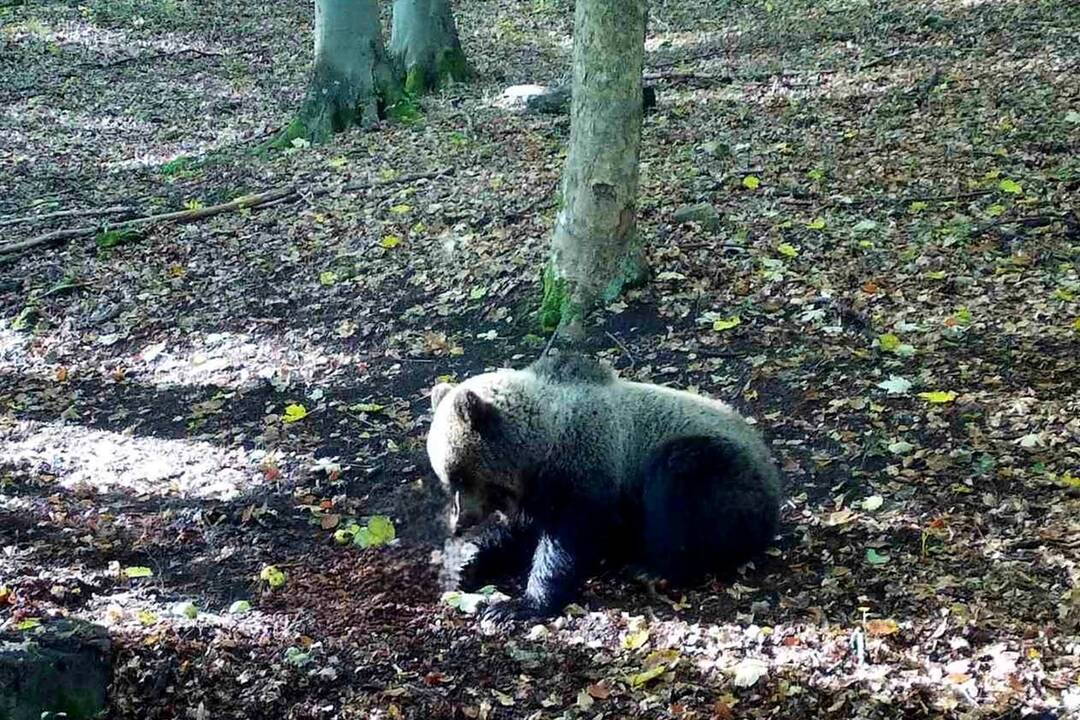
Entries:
{"x":946,"y":198}
{"x":246,"y":202}
{"x":101,"y":212}
{"x":880,"y":60}
{"x":147,"y":57}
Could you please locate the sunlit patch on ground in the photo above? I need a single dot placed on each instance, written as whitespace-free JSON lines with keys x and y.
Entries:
{"x":111,"y":461}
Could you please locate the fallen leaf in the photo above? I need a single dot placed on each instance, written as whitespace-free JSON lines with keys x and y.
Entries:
{"x":749,"y":671}
{"x":293,"y":413}
{"x":879,"y":628}
{"x":272,"y":576}
{"x":938,"y":397}
{"x":722,"y":324}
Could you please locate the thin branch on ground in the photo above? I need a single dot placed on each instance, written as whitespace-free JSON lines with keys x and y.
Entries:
{"x":148,"y":57}
{"x":98,"y":212}
{"x":247,"y":202}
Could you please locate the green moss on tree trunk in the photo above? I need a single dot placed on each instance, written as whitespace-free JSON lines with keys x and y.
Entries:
{"x":424,"y":43}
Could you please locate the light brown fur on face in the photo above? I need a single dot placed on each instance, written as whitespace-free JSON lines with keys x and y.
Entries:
{"x":479,"y":481}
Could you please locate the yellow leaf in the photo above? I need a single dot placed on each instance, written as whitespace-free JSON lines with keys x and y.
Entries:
{"x":722,"y":324}
{"x":937,"y":274}
{"x":1076,"y":324}
{"x":401,"y":209}
{"x":638,"y":679}
{"x":751,"y":182}
{"x":817,"y":223}
{"x":294,"y":413}
{"x":138,"y":571}
{"x":787,"y":250}
{"x":634,"y":640}
{"x":390,"y":241}
{"x":938,"y":397}
{"x":1070,"y":481}
{"x":338,"y":162}
{"x":881,"y":627}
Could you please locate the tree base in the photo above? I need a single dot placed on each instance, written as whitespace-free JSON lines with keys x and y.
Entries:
{"x":446,"y":66}
{"x":335,"y":103}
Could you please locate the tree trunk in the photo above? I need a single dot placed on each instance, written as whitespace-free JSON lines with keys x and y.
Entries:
{"x":352,"y":80}
{"x":596,"y":251}
{"x":424,"y":42}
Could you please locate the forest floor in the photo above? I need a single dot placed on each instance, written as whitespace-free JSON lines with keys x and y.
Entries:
{"x":890,"y":290}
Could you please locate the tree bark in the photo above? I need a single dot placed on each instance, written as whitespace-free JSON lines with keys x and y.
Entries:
{"x":596,"y":251}
{"x":424,"y":42}
{"x":352,"y":80}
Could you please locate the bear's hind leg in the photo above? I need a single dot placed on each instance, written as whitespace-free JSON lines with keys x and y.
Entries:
{"x":708,"y":506}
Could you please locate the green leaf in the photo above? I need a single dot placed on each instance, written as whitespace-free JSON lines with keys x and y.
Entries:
{"x":240,"y":607}
{"x":722,"y":324}
{"x":379,"y":531}
{"x":293,"y":413}
{"x":1072,"y":117}
{"x":147,"y":618}
{"x":328,"y":277}
{"x":963,"y":316}
{"x":272,"y":576}
{"x":874,"y":558}
{"x":112,"y":238}
{"x":817,"y":223}
{"x":28,"y":624}
{"x":751,"y":182}
{"x":338,"y":162}
{"x":138,"y":571}
{"x":401,"y":209}
{"x":888,"y":342}
{"x":895,"y":385}
{"x":297,"y":657}
{"x":347,"y":534}
{"x":477,"y":292}
{"x":872,"y":503}
{"x":469,"y":603}
{"x":787,"y":250}
{"x":937,"y":274}
{"x":865,"y":226}
{"x":390,"y":241}
{"x":185,"y":609}
{"x":1010,"y":186}
{"x":995,"y":210}
{"x":366,"y":408}
{"x":938,"y":397}
{"x":917,"y":206}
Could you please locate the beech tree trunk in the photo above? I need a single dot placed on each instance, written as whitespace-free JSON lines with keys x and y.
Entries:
{"x":596,"y":251}
{"x":352,"y":80}
{"x":424,"y":42}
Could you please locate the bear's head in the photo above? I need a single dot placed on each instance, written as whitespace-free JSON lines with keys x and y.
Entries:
{"x":474,"y":451}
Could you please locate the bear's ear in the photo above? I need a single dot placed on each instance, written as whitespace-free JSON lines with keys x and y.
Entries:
{"x":439,"y":392}
{"x":474,"y":410}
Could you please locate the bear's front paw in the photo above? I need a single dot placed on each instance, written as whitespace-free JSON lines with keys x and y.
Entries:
{"x":503,"y":614}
